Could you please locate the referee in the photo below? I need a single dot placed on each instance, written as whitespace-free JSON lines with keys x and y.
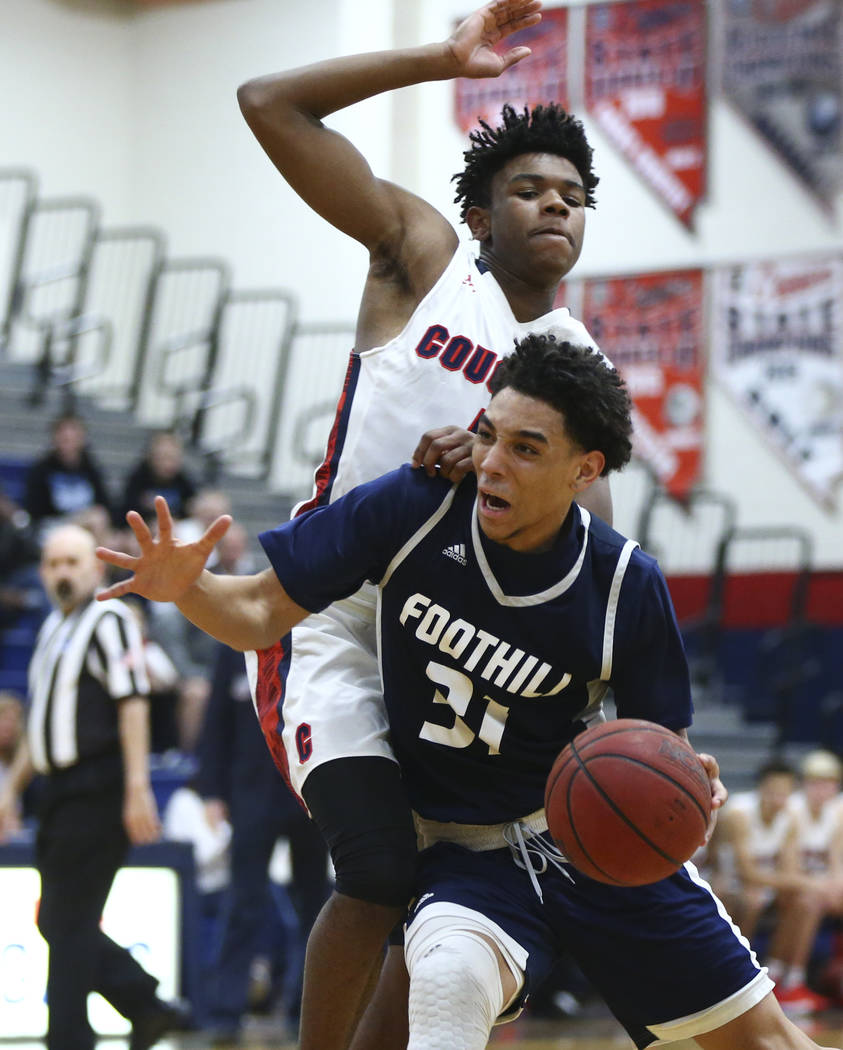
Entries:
{"x":88,"y":734}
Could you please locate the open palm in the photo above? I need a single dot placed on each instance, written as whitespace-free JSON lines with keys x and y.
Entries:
{"x":165,"y":567}
{"x":473,"y":41}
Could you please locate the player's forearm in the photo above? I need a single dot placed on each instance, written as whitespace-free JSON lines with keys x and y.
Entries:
{"x":326,"y":87}
{"x":243,"y":612}
{"x":133,"y":726}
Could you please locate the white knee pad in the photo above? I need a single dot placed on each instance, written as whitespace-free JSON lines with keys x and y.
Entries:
{"x":455,"y":992}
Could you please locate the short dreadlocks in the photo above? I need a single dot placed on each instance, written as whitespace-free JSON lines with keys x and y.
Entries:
{"x":545,"y":129}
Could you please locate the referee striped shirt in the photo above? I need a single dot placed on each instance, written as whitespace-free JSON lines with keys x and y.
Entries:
{"x":82,"y":666}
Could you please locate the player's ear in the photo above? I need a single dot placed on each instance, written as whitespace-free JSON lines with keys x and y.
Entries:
{"x":477,"y":220}
{"x":589,"y":469}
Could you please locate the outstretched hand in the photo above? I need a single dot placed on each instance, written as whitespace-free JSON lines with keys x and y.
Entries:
{"x":166,"y":567}
{"x":473,"y":41}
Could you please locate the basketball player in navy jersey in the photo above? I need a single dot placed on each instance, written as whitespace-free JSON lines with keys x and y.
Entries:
{"x":505,"y":612}
{"x":434,"y":321}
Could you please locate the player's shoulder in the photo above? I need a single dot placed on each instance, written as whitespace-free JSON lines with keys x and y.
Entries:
{"x":610,"y":542}
{"x":612,"y":550}
{"x":406,"y":492}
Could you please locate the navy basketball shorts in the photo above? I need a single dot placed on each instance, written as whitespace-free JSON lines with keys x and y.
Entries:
{"x":666,"y":958}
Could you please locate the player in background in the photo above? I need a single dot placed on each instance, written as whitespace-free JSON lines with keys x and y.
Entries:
{"x":818,"y":812}
{"x":434,"y":322}
{"x":753,"y":851}
{"x":492,"y":662}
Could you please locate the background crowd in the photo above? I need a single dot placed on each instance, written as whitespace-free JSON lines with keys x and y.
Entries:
{"x":262,"y":871}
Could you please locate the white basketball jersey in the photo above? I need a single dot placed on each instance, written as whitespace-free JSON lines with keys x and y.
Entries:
{"x":434,"y":373}
{"x":816,"y":833}
{"x":765,"y":839}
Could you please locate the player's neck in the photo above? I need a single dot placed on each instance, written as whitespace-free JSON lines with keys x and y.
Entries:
{"x":526,"y":300}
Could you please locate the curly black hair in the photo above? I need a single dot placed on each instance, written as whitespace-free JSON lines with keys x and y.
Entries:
{"x":579,"y":383}
{"x":545,"y":129}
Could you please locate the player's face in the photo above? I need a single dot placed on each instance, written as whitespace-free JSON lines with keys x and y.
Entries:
{"x":820,"y":790}
{"x":774,"y":791}
{"x":528,"y":471}
{"x":534,"y":227}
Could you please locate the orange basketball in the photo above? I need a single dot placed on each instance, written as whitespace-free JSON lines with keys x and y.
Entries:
{"x":628,"y":802}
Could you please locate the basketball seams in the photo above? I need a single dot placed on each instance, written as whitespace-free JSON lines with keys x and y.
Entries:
{"x":583,"y":767}
{"x":658,"y":772}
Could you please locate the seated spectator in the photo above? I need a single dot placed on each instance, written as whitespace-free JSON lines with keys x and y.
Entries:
{"x":161,"y":471}
{"x":819,"y":816}
{"x":66,"y":479}
{"x":753,"y":851}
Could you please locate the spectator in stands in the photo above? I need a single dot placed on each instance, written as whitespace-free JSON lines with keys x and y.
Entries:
{"x":67,"y":478}
{"x":160,"y":471}
{"x":186,"y":819}
{"x":819,"y":815}
{"x":239,"y":782}
{"x":205,"y":507}
{"x":753,"y":851}
{"x":192,"y":651}
{"x":164,"y":683}
{"x":20,"y":588}
{"x":11,"y":730}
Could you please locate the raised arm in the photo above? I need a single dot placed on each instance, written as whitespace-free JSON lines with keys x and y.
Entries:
{"x":285,"y":112}
{"x":244,"y":612}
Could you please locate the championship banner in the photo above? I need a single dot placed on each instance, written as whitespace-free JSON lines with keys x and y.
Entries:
{"x":645,"y":65}
{"x":541,"y":78}
{"x":651,"y":328}
{"x":777,"y":348}
{"x":782,"y":69}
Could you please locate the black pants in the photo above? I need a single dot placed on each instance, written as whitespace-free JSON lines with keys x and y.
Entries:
{"x":81,"y":844}
{"x":257,"y":823}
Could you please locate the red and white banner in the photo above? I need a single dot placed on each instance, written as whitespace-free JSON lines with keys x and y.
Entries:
{"x":651,"y":328}
{"x":782,"y":68}
{"x":645,"y":81}
{"x":541,"y":78}
{"x":777,"y":348}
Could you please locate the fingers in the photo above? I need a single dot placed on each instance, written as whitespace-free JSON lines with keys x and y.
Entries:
{"x":117,"y":590}
{"x":214,"y":533}
{"x":455,"y":467}
{"x":139,"y":528}
{"x":512,"y":17}
{"x":515,"y":54}
{"x":444,"y":448}
{"x":118,"y":558}
{"x":165,"y":521}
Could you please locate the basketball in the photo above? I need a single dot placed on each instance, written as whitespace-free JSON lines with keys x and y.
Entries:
{"x":628,"y":802}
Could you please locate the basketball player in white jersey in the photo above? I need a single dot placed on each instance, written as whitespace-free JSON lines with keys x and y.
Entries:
{"x":818,"y":811}
{"x":434,"y":321}
{"x":753,"y":848}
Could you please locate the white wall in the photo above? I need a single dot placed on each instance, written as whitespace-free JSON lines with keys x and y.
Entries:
{"x":140,"y":111}
{"x":67,"y":98}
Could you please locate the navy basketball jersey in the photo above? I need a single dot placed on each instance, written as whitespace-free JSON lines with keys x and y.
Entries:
{"x":491,"y":659}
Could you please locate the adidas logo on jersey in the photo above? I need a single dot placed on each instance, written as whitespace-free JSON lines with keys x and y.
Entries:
{"x":457,"y":552}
